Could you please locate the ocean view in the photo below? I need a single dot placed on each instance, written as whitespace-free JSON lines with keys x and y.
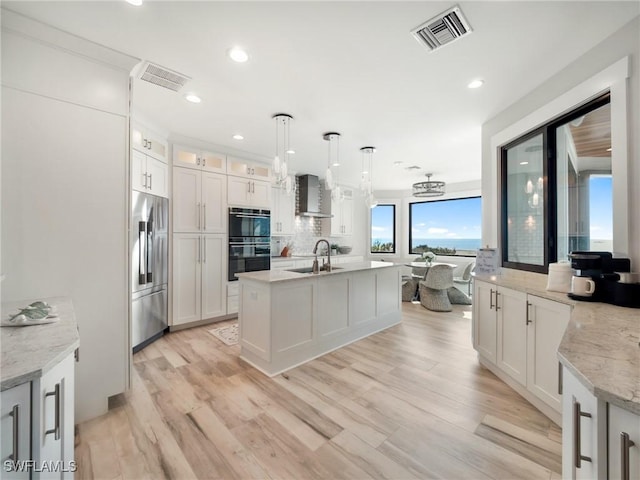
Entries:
{"x":451,"y":243}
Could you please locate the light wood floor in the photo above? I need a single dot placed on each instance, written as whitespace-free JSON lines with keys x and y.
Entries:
{"x":410,"y":402}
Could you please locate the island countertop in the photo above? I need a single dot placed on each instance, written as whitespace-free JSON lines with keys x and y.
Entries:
{"x":601,"y":345}
{"x":31,"y":351}
{"x":271,"y":276}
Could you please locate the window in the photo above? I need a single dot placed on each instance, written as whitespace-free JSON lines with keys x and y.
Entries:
{"x":556,"y":189}
{"x":446,"y":227}
{"x":383,"y":229}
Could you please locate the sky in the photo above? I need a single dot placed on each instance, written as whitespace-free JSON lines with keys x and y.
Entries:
{"x":600,"y":208}
{"x":459,"y":218}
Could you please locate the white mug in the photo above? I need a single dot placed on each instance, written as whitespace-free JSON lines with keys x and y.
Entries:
{"x":582,"y":286}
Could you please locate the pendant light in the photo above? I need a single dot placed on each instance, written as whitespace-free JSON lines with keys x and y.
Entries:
{"x":366,"y":184}
{"x":283,"y":151}
{"x":333,"y":160}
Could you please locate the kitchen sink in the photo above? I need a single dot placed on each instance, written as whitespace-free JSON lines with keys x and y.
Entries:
{"x":310,"y":269}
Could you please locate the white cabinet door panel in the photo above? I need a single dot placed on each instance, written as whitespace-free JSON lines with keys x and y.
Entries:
{"x":214,"y":203}
{"x":187,"y":284}
{"x":512,"y":333}
{"x":15,"y":420}
{"x":485,"y":320}
{"x":138,"y":171}
{"x":333,"y":309}
{"x":158,"y":177}
{"x":187,"y":206}
{"x":213,"y":292}
{"x":623,"y":423}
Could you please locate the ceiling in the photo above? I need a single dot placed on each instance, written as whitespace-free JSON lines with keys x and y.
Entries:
{"x":349,"y":67}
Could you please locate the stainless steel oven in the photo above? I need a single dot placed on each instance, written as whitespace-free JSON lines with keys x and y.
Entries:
{"x":249,"y":241}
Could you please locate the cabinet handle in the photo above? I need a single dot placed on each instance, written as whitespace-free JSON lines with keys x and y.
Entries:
{"x":497,"y":307}
{"x":204,"y":162}
{"x":577,"y":454}
{"x":199,"y":250}
{"x":15,"y":415}
{"x":56,"y":429}
{"x":199,"y":215}
{"x":204,"y":250}
{"x":560,"y":378}
{"x":625,"y":445}
{"x":197,"y":160}
{"x":144,"y":181}
{"x":249,"y":187}
{"x":145,"y":143}
{"x":527,"y":316}
{"x":491,"y":299}
{"x":204,"y":216}
{"x":150,"y":181}
{"x":149,"y":147}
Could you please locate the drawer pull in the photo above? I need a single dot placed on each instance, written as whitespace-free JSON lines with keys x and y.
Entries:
{"x":56,"y":429}
{"x":625,"y":445}
{"x":15,"y":415}
{"x":577,"y":414}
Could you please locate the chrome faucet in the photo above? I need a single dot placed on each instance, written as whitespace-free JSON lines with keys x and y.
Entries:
{"x":327,"y":266}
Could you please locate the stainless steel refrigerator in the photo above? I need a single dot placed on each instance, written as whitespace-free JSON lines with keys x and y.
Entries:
{"x":149,"y":260}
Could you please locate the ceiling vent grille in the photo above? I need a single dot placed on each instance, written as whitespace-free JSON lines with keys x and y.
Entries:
{"x":445,"y":28}
{"x":163,"y":77}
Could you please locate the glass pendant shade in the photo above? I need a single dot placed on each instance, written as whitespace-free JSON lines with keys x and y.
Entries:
{"x":333,"y":158}
{"x":283,"y":150}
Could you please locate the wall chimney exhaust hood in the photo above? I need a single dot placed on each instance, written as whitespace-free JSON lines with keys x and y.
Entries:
{"x":309,"y":197}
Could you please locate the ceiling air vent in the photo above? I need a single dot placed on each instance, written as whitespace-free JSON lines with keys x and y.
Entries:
{"x":163,"y":77}
{"x":443,"y":29}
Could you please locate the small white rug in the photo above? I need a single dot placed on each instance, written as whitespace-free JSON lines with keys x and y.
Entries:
{"x":228,"y":335}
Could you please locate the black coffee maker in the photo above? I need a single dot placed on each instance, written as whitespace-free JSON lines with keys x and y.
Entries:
{"x":601,"y":267}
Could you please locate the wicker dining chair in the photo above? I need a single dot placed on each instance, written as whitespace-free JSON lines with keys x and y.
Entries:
{"x":433,"y":289}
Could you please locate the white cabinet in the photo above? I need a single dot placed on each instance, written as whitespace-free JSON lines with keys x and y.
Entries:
{"x":245,"y":192}
{"x":15,"y":428}
{"x":52,"y":418}
{"x":510,"y":306}
{"x":342,"y":211}
{"x":520,"y":335}
{"x":149,"y":175}
{"x":199,"y":201}
{"x":199,"y":263}
{"x":233,"y":302}
{"x":145,"y":140}
{"x":583,"y":431}
{"x":282,"y":212}
{"x":624,"y":444}
{"x":244,"y":168}
{"x":199,"y":159}
{"x":546,"y":323}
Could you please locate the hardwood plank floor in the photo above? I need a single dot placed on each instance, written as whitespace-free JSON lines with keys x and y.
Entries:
{"x":409,"y":402}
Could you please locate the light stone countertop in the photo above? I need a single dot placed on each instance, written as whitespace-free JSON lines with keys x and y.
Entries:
{"x":271,"y":276}
{"x":31,"y":351}
{"x":301,"y":256}
{"x":601,"y":345}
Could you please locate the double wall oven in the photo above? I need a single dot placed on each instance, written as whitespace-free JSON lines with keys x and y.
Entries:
{"x":249,"y":240}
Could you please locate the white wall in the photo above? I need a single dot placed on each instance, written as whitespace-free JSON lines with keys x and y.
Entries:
{"x":584,"y":74}
{"x":65,"y":190}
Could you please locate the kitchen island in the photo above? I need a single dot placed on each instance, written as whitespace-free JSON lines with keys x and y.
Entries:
{"x":287,"y":318}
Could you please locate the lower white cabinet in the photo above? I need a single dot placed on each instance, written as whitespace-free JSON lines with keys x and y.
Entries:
{"x":519,"y":334}
{"x":198,"y":277}
{"x":546,"y":323}
{"x":624,"y":444}
{"x":52,"y":417}
{"x":15,"y":428}
{"x":584,"y":426}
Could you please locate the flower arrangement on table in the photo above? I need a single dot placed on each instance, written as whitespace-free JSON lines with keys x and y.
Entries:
{"x":428,"y":257}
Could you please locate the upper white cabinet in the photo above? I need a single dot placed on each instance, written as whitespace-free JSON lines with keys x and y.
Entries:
{"x":244,"y":168}
{"x":145,"y":140}
{"x":342,"y":214}
{"x":199,"y":159}
{"x":15,"y":427}
{"x":245,"y":192}
{"x":149,"y":175}
{"x":199,"y":201}
{"x":248,"y":184}
{"x":282,"y":212}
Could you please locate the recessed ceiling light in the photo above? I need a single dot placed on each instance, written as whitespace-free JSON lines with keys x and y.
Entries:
{"x":135,"y":3}
{"x":290,"y":152}
{"x":336,"y":164}
{"x":237,"y":136}
{"x":192,"y":97}
{"x":524,"y":163}
{"x":476,"y":83}
{"x":238,"y":54}
{"x":398,"y":162}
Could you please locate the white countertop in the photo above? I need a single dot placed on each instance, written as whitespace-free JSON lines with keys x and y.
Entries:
{"x":29,"y":352}
{"x":270,"y":276}
{"x":311,"y":255}
{"x":601,"y":345}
